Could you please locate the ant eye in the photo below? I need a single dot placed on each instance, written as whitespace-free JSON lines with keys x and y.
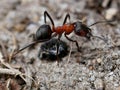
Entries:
{"x":77,"y":27}
{"x":44,"y":32}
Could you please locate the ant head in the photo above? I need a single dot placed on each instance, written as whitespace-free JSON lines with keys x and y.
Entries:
{"x":82,"y":30}
{"x":44,"y":32}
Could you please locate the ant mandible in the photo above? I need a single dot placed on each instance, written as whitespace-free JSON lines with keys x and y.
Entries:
{"x":45,"y":32}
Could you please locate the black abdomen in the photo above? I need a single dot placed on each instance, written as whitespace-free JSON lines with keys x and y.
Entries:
{"x":44,"y":32}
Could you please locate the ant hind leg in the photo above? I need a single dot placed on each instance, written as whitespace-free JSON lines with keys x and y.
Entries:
{"x":33,"y":43}
{"x":57,"y":54}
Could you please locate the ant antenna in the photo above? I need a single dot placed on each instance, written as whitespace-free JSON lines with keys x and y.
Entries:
{"x":100,"y":22}
{"x":100,"y":38}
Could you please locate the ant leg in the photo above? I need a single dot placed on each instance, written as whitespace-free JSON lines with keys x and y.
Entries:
{"x":46,"y":14}
{"x":78,"y":48}
{"x":67,"y":16}
{"x":58,"y":42}
{"x":33,"y":43}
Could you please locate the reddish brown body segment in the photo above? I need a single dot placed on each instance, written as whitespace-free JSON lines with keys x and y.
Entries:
{"x":82,"y":33}
{"x":67,"y":28}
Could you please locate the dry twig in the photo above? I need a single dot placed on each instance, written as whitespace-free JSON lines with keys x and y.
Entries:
{"x":11,"y":71}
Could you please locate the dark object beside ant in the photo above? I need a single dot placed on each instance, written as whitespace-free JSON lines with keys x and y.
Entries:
{"x":45,"y":32}
{"x":48,"y":50}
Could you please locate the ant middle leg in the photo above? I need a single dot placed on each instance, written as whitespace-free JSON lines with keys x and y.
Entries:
{"x":78,"y":48}
{"x":57,"y":53}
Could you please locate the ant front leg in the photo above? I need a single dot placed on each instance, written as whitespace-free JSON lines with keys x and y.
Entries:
{"x":78,"y":48}
{"x":67,"y":16}
{"x":46,"y":14}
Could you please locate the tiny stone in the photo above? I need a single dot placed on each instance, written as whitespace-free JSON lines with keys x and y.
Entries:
{"x":94,"y":61}
{"x":19,"y":27}
{"x":99,"y":60}
{"x":116,"y":84}
{"x":92,"y":78}
{"x":111,"y":73}
{"x":110,"y":13}
{"x":99,"y":84}
{"x":91,"y":67}
{"x":115,"y":55}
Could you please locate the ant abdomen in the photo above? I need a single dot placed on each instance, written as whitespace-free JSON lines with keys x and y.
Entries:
{"x":44,"y":32}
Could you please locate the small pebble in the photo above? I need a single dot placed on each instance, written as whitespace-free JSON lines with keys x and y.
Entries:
{"x":110,"y":13}
{"x":115,"y":55}
{"x":91,"y":67}
{"x":19,"y":27}
{"x":99,"y":84}
{"x":99,"y":60}
{"x":92,"y":78}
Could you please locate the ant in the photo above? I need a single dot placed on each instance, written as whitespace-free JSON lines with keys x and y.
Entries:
{"x":45,"y":32}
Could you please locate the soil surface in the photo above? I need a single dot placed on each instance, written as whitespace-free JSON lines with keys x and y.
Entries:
{"x":96,"y":67}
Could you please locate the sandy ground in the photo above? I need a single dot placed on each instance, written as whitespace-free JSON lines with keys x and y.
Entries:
{"x":95,"y":68}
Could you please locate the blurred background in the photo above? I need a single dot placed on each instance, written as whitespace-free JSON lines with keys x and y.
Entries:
{"x":96,"y":68}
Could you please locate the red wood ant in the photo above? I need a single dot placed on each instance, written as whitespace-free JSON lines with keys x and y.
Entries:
{"x":45,"y":32}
